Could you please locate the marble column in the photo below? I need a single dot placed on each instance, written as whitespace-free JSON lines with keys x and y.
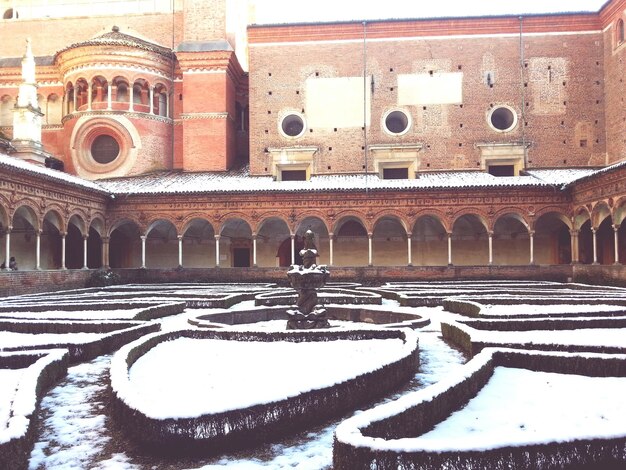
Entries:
{"x":217,"y":250}
{"x":143,"y":251}
{"x":370,"y":253}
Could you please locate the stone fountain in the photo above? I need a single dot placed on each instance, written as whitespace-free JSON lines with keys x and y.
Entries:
{"x":306,"y":279}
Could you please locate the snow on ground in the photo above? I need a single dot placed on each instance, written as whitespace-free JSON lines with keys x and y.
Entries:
{"x":534,"y":309}
{"x":9,"y":339}
{"x":78,"y":314}
{"x":521,"y":407}
{"x":9,"y":380}
{"x":170,"y":381}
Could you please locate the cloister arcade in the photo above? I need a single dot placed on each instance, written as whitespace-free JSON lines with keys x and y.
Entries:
{"x":50,"y":240}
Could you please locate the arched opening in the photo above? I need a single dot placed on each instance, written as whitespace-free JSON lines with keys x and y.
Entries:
{"x":141,"y":96}
{"x":605,"y":241}
{"x":74,"y":243}
{"x":585,"y":243}
{"x":6,"y":111}
{"x":351,"y":247}
{"x":511,"y":244}
{"x":429,"y":242}
{"x":119,"y":93}
{"x":552,"y":240}
{"x":236,"y":244}
{"x":94,"y":244}
{"x":10,"y":14}
{"x":51,"y":241}
{"x":23,"y":238}
{"x":198,"y":244}
{"x":619,"y":31}
{"x":69,"y":98}
{"x":389,"y":243}
{"x":322,"y":241}
{"x":160,"y":107}
{"x":99,"y":93}
{"x":125,"y":246}
{"x":161,"y":245}
{"x":273,"y":243}
{"x":470,"y":245}
{"x":54,"y":109}
{"x":81,"y":89}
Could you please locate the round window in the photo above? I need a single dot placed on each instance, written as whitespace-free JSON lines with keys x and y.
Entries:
{"x":503,"y":118}
{"x":292,"y":125}
{"x":105,"y":149}
{"x":397,"y":122}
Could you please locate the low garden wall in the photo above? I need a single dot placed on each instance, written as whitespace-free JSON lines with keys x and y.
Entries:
{"x":214,"y":433}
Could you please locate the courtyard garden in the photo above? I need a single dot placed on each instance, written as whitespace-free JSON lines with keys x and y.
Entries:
{"x":458,"y":374}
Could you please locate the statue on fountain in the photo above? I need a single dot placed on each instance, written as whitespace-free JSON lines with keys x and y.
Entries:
{"x":306,"y":279}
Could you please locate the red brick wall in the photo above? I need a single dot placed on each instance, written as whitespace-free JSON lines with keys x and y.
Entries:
{"x":204,"y":20}
{"x":448,"y":132}
{"x":26,"y":282}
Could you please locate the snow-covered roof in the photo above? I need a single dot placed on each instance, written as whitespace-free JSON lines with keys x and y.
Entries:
{"x":22,"y":166}
{"x":240,"y":181}
{"x":561,"y":176}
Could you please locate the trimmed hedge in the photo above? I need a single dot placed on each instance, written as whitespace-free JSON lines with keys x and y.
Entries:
{"x":213,"y":433}
{"x":15,"y":452}
{"x":365,"y":442}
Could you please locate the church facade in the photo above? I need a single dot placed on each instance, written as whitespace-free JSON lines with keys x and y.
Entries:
{"x":180,"y":134}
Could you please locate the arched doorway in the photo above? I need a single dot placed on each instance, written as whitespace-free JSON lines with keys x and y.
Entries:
{"x":125,"y":245}
{"x":470,"y":244}
{"x":389,"y":242}
{"x":511,"y":242}
{"x":198,"y":244}
{"x":429,"y":242}
{"x":161,"y":245}
{"x":552,"y":240}
{"x":322,"y":241}
{"x":273,"y":243}
{"x":236,"y":244}
{"x":351,"y":247}
{"x":74,"y":243}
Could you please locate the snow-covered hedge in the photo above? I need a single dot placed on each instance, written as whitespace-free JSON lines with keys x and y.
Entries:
{"x":42,"y":370}
{"x":325,"y":295}
{"x":388,"y":436}
{"x":115,"y":335}
{"x":215,"y":432}
{"x":463,"y":307}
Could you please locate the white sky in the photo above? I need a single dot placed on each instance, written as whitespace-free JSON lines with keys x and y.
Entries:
{"x":290,"y":11}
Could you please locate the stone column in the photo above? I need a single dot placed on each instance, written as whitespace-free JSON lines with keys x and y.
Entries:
{"x":254,"y":250}
{"x":151,"y":100}
{"x":38,"y":249}
{"x":85,"y":237}
{"x":616,"y":243}
{"x":595,"y":246}
{"x":574,"y":245}
{"x":89,"y":96}
{"x":449,"y":249}
{"x":131,"y":98}
{"x":105,"y":252}
{"x":180,"y":251}
{"x":75,"y":98}
{"x":408,"y":248}
{"x":217,"y":250}
{"x":167,"y":105}
{"x":330,"y":248}
{"x":370,"y":256}
{"x":109,"y":97}
{"x":531,"y":239}
{"x":143,"y":251}
{"x":63,"y":235}
{"x":490,"y":235}
{"x":293,"y":248}
{"x":7,"y":247}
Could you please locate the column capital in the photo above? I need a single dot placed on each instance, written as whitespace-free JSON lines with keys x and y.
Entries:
{"x":615,"y":227}
{"x":143,"y":237}
{"x":217,"y":237}
{"x":85,"y":236}
{"x":574,"y":232}
{"x":370,"y":235}
{"x":531,"y":233}
{"x":105,"y":239}
{"x":180,"y":237}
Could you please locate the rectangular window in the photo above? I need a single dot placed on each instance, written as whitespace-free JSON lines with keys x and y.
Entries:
{"x":293,"y":175}
{"x":395,"y":173}
{"x":502,"y":170}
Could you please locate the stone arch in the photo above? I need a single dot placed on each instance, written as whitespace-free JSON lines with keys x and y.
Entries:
{"x":74,"y":242}
{"x":470,"y":244}
{"x":141,"y":95}
{"x":53,"y":229}
{"x":318,"y":226}
{"x":99,"y":92}
{"x":581,"y":215}
{"x":236,"y":242}
{"x":94,"y":243}
{"x":161,"y":244}
{"x":198,"y":237}
{"x":552,"y":239}
{"x":161,"y":100}
{"x":600,"y":212}
{"x":389,"y":241}
{"x":429,"y":241}
{"x":619,"y":31}
{"x":511,"y":240}
{"x":351,"y":247}
{"x":120,"y":92}
{"x":619,"y":211}
{"x":125,"y":244}
{"x":81,"y":89}
{"x":605,"y":241}
{"x":273,"y":242}
{"x":69,"y":98}
{"x":6,"y":110}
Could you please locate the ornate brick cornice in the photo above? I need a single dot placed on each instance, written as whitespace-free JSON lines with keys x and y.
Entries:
{"x":128,"y":114}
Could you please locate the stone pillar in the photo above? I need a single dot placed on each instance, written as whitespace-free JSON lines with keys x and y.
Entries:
{"x":143,"y":251}
{"x":151,"y":100}
{"x":595,"y":246}
{"x":217,"y":251}
{"x":131,"y":97}
{"x":490,"y":235}
{"x":109,"y":97}
{"x":75,"y":98}
{"x":574,"y":245}
{"x":38,"y":249}
{"x":7,"y":247}
{"x":85,"y":237}
{"x":89,"y":91}
{"x":370,"y":256}
{"x":330,"y":250}
{"x":408,"y":248}
{"x":293,"y":248}
{"x":180,"y":251}
{"x":531,"y":239}
{"x":167,"y":105}
{"x":449,"y":249}
{"x":616,"y":243}
{"x":254,"y":250}
{"x":63,"y":235}
{"x":105,"y":252}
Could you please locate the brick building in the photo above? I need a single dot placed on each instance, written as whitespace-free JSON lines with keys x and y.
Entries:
{"x":161,"y":134}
